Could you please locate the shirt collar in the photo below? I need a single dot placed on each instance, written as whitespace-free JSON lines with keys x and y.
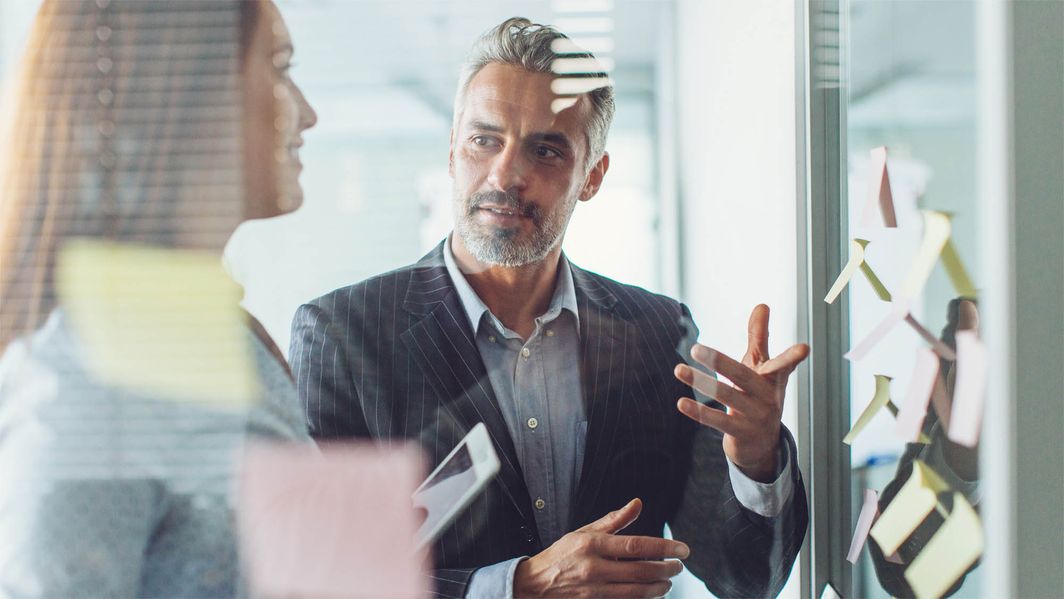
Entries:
{"x":564,"y":297}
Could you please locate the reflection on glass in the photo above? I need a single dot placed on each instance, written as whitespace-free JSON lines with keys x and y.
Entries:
{"x":910,"y":88}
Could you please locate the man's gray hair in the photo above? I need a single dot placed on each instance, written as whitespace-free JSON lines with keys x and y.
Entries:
{"x":521,"y":43}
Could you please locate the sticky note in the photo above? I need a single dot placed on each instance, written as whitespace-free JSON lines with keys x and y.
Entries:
{"x":869,"y":511}
{"x":334,"y":523}
{"x":969,"y":390}
{"x":950,"y":552}
{"x":910,"y":506}
{"x":941,"y":402}
{"x":158,"y":321}
{"x":880,"y":202}
{"x":855,"y":263}
{"x":829,"y":592}
{"x":936,"y":344}
{"x":910,"y":418}
{"x":958,"y":275}
{"x":898,"y":311}
{"x":937,"y":229}
{"x":879,"y":401}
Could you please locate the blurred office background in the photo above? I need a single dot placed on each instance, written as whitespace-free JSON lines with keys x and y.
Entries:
{"x":707,"y":193}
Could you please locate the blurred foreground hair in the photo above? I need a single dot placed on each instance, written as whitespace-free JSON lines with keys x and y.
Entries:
{"x":124,"y":121}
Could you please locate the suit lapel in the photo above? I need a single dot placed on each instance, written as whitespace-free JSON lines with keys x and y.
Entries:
{"x":442,"y":344}
{"x":606,"y":338}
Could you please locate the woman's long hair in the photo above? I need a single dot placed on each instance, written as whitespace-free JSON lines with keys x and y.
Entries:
{"x":124,"y":121}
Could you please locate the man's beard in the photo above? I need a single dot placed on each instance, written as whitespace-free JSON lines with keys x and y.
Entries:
{"x":502,"y":246}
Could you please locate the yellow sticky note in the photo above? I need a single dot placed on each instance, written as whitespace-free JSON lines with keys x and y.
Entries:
{"x":877,"y":285}
{"x":161,"y":322}
{"x":909,"y":507}
{"x":957,"y":273}
{"x":937,"y":229}
{"x":855,"y":263}
{"x":948,"y":555}
{"x":879,"y":401}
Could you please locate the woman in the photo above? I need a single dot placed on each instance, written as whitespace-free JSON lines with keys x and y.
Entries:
{"x":146,"y":124}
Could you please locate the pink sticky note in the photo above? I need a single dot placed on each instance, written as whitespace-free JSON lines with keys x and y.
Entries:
{"x":880,"y":202}
{"x":969,"y":391}
{"x":339,"y":522}
{"x":936,"y":344}
{"x":869,"y":511}
{"x":898,"y":311}
{"x":894,"y":558}
{"x":941,"y":402}
{"x":913,"y":411}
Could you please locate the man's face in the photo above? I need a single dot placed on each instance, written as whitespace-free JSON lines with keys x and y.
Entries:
{"x":518,"y":168}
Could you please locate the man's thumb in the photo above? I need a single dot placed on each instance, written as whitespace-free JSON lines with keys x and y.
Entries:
{"x":617,"y":520}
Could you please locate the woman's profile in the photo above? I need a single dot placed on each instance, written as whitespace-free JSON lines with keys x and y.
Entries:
{"x":157,"y":125}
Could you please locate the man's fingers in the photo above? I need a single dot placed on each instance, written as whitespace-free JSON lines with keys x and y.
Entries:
{"x":742,"y":375}
{"x":611,"y":570}
{"x":786,"y":362}
{"x":757,"y":336}
{"x":706,"y":415}
{"x":616,"y":520}
{"x":711,"y":387}
{"x":639,"y":548}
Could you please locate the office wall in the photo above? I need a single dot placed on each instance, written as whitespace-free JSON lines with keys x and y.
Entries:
{"x":735,"y":98}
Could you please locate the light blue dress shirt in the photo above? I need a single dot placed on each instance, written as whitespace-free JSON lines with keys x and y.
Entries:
{"x":537,"y":384}
{"x":112,"y":493}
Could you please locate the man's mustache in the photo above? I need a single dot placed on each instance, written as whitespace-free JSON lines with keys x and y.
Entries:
{"x":504,"y":199}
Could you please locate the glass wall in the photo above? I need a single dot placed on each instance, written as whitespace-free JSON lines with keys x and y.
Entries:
{"x":910,"y":155}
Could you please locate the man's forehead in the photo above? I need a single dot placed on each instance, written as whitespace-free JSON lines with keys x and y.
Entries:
{"x":506,"y":92}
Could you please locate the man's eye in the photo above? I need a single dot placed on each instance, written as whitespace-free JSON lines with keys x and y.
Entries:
{"x":545,"y":152}
{"x":481,"y":140}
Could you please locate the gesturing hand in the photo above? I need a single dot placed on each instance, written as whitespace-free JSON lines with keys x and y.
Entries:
{"x":751,"y":425}
{"x":587,"y":562}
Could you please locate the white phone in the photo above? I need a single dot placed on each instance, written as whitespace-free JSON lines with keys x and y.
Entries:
{"x":455,"y":482}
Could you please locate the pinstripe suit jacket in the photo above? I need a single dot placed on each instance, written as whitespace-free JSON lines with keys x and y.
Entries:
{"x":394,"y":357}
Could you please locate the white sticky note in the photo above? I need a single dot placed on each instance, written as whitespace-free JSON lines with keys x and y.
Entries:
{"x":879,"y":401}
{"x":159,"y":321}
{"x":969,"y":391}
{"x":829,"y":592}
{"x":917,"y":396}
{"x":869,"y":511}
{"x":937,"y":229}
{"x":898,"y":311}
{"x":950,"y":552}
{"x":879,"y":204}
{"x":334,"y":523}
{"x":914,"y":501}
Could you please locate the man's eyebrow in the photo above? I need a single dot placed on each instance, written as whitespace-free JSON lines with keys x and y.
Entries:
{"x":485,"y":126}
{"x":558,"y":139}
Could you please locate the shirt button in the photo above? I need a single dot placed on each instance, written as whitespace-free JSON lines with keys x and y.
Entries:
{"x":550,"y":333}
{"x":540,"y":504}
{"x":525,"y":352}
{"x":533,"y":423}
{"x":491,"y":338}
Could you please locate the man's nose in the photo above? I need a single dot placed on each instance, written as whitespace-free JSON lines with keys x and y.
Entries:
{"x":508,"y":170}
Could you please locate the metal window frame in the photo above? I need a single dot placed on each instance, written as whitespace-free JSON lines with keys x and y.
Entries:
{"x":823,"y":387}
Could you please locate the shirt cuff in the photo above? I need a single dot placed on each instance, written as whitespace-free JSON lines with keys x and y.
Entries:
{"x":765,"y":499}
{"x":495,"y":581}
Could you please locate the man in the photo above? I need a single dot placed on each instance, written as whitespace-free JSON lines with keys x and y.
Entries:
{"x":576,"y":376}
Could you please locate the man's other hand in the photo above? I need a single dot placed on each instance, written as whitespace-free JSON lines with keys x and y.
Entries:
{"x":594,"y":562}
{"x":751,"y":425}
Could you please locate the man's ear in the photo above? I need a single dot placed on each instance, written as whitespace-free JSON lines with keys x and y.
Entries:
{"x":450,"y":156}
{"x":595,"y":177}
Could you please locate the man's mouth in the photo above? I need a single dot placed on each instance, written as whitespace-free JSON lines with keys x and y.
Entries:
{"x":500,"y":210}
